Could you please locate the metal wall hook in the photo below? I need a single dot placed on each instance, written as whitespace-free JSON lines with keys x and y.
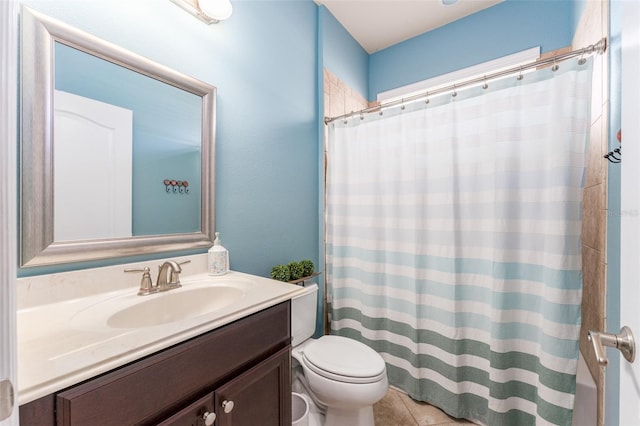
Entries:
{"x":611,"y":156}
{"x":176,"y":186}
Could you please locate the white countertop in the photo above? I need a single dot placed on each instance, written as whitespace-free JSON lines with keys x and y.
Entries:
{"x":60,"y":345}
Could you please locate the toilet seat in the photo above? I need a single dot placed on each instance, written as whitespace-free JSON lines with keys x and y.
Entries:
{"x":344,"y":360}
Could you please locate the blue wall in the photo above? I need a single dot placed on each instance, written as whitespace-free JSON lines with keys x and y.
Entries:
{"x":342,"y":54}
{"x":500,"y":30}
{"x":263,"y":63}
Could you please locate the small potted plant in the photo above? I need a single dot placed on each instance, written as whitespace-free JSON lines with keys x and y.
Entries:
{"x":295,"y":270}
{"x":281,"y":273}
{"x":307,"y":267}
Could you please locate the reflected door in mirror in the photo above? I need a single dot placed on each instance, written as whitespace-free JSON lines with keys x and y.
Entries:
{"x":92,"y":169}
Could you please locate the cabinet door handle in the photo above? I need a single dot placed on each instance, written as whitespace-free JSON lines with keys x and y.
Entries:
{"x":209,"y":418}
{"x":227,"y":406}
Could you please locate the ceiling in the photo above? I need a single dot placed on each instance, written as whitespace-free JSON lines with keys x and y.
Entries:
{"x":377,"y":24}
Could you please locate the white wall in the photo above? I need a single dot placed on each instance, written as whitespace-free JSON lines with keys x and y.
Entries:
{"x":8,"y":238}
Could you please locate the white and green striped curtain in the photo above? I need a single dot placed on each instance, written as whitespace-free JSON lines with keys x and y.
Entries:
{"x":453,"y":244}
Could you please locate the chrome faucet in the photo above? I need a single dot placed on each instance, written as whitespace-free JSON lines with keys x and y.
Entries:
{"x":174,"y":280}
{"x":170,"y":268}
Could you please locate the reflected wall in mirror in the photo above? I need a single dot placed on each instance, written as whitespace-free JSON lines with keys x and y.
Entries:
{"x":102,"y":129}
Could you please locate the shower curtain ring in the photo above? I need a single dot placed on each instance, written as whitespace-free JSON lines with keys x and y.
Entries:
{"x":582,"y":60}
{"x":520,"y":76}
{"x":454,"y":94}
{"x":426,"y":101}
{"x":485,"y":85}
{"x":555,"y":66}
{"x":402,"y":104}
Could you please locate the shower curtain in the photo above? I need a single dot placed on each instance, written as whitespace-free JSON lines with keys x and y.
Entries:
{"x":453,"y":243}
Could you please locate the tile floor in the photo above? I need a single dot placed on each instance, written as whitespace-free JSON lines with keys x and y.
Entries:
{"x":398,"y":409}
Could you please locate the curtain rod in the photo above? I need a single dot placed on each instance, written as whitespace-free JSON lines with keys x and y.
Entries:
{"x":600,"y":47}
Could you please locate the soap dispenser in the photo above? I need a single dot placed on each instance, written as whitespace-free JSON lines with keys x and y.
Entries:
{"x":218,"y":258}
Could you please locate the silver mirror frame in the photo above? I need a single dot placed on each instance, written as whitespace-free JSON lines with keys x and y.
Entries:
{"x":37,"y":245}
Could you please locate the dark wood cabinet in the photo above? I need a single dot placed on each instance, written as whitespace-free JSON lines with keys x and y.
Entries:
{"x":246,"y":362}
{"x":256,"y":395}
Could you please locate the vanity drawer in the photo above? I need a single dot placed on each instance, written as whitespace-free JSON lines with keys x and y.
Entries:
{"x":149,"y":389}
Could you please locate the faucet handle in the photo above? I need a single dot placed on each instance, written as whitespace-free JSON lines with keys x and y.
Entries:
{"x":175,"y":274}
{"x":146,"y":284}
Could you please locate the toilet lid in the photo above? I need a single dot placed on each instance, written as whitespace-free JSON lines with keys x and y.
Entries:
{"x":344,"y":357}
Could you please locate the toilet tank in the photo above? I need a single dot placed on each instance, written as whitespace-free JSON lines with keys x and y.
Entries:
{"x":303,"y":314}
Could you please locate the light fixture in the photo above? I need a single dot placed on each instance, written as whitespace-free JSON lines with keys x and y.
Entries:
{"x":448,"y":2}
{"x":208,"y":11}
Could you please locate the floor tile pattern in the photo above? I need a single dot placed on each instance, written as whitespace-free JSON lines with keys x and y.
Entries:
{"x":398,"y":409}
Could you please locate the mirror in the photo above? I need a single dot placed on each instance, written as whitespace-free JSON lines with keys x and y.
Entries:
{"x":117,"y":151}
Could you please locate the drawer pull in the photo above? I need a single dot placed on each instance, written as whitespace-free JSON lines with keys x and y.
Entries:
{"x":227,"y":406}
{"x":209,"y":418}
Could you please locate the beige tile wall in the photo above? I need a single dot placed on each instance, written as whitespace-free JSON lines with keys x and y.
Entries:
{"x":593,"y":26}
{"x":339,"y":98}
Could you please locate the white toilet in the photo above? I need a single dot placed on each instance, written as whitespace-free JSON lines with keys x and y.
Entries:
{"x":343,"y":376}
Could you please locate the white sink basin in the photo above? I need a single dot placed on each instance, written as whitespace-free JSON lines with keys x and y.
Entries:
{"x":67,"y":335}
{"x":194,"y":299}
{"x":171,"y":307}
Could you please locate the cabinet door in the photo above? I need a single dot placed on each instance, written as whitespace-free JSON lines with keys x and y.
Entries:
{"x":195,"y":414}
{"x":259,"y":396}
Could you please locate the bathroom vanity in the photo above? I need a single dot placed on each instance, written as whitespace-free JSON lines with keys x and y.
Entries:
{"x":229,"y":366}
{"x":240,"y":372}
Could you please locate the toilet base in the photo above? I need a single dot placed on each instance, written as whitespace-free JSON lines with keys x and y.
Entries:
{"x":343,"y":417}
